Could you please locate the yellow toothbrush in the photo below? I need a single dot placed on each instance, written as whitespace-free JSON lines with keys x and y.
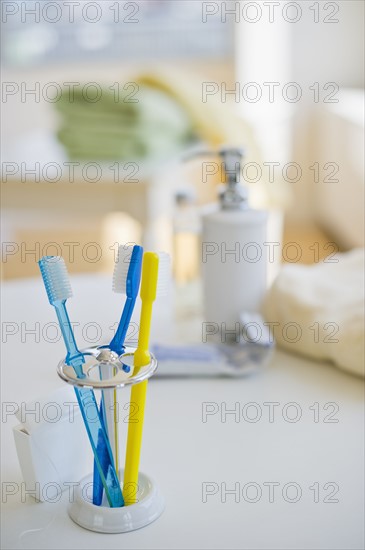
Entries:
{"x":155,"y":276}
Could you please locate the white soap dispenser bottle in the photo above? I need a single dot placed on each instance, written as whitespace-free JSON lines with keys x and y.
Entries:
{"x":233,"y":250}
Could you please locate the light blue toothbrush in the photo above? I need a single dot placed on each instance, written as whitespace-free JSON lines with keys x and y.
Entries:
{"x":56,"y":281}
{"x":126,"y":280}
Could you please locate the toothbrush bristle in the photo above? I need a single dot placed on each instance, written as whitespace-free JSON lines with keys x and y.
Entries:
{"x":55,"y":277}
{"x":164,"y":274}
{"x":121,"y":268}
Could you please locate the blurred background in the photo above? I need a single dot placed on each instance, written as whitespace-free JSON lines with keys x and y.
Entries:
{"x":106,"y":107}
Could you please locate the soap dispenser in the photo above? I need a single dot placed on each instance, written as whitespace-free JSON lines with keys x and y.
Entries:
{"x":234,"y":255}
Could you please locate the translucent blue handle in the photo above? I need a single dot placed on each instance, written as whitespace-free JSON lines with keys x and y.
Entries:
{"x":99,"y":442}
{"x":74,"y":357}
{"x":98,"y":488}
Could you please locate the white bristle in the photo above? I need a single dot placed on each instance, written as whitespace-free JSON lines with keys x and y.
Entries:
{"x":164,"y":274}
{"x":121,"y":269}
{"x":56,"y":279}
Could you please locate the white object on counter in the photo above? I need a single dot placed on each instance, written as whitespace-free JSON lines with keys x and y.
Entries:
{"x":50,"y":444}
{"x":234,"y":255}
{"x":319,"y":310}
{"x":234,"y":264}
{"x":103,"y":519}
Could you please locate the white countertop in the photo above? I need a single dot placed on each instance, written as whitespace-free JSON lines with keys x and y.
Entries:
{"x":183,"y":453}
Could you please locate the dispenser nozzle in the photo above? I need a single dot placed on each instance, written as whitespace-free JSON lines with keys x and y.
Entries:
{"x":235,"y":195}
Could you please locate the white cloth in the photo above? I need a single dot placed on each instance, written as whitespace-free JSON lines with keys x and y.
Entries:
{"x":320,"y":310}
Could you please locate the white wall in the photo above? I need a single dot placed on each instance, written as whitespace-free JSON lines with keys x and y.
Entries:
{"x":303,"y":52}
{"x":323,"y":52}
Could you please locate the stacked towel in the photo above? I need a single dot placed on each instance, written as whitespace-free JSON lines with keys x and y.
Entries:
{"x":326,"y":302}
{"x":151,"y":124}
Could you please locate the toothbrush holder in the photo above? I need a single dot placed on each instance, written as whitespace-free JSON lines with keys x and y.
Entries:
{"x":150,"y":502}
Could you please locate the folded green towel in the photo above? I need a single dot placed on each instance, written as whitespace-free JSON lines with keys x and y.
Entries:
{"x":79,"y":101}
{"x":155,"y":125}
{"x":87,"y":115}
{"x":105,"y":147}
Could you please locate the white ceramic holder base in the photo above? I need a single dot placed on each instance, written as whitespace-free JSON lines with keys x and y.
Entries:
{"x":104,"y":519}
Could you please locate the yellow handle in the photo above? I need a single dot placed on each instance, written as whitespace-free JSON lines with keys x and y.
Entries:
{"x":134,"y":443}
{"x":138,"y":392}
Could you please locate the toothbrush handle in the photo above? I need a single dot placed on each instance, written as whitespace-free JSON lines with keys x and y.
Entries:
{"x":74,"y":357}
{"x":103,"y":457}
{"x":98,"y":437}
{"x":134,"y":443}
{"x":108,"y":414}
{"x":117,"y":343}
{"x":142,"y":355}
{"x":138,"y":399}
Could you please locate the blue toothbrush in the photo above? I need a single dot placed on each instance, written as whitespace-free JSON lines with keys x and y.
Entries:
{"x":126,"y":280}
{"x":56,"y":281}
